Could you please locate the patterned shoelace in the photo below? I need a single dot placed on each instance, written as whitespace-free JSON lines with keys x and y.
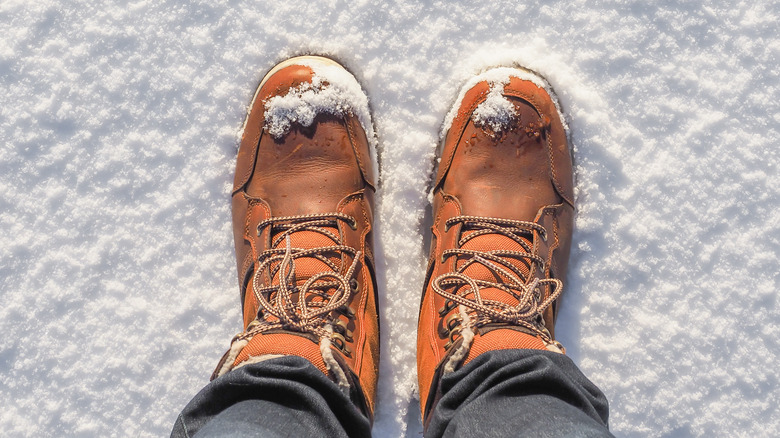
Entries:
{"x":522,"y":289}
{"x":308,"y":307}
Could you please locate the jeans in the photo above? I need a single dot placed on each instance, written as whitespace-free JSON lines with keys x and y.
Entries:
{"x":502,"y":393}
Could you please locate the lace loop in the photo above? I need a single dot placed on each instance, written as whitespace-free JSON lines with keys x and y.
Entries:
{"x":308,"y":307}
{"x":524,"y":301}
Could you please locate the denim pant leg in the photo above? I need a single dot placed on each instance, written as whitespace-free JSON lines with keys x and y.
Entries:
{"x":518,"y":393}
{"x":281,"y":397}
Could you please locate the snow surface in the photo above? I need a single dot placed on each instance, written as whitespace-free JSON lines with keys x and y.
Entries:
{"x":119,"y":126}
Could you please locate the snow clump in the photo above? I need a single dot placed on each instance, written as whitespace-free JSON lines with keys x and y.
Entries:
{"x":332,"y":90}
{"x":496,"y":112}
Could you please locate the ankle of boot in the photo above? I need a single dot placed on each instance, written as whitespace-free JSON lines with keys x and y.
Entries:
{"x":262,"y":347}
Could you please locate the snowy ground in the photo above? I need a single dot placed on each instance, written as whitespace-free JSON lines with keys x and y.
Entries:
{"x":118,"y":132}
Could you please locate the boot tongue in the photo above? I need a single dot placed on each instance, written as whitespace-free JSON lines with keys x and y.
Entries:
{"x":306,"y":267}
{"x":478,"y":271}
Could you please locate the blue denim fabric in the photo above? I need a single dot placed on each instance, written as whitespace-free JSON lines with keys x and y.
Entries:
{"x":519,"y":393}
{"x":282,"y":397}
{"x":499,"y":394}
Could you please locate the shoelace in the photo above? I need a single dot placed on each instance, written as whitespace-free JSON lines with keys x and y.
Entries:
{"x":476,"y":311}
{"x":320,"y":295}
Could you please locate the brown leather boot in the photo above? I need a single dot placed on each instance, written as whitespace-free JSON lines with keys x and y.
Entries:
{"x":503,"y":207}
{"x":302,"y":222}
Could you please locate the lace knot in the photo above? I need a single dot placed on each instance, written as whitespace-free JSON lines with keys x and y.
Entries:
{"x":306,"y":304}
{"x":510,"y":287}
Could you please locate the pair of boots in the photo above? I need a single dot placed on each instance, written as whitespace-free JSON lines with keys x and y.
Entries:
{"x":303,"y":214}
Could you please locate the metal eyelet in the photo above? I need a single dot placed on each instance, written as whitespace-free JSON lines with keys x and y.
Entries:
{"x":452,"y":339}
{"x":452,"y":321}
{"x":448,"y":305}
{"x":454,"y":333}
{"x":353,"y":224}
{"x":340,"y":327}
{"x":353,"y":284}
{"x":451,"y":324}
{"x":339,"y":342}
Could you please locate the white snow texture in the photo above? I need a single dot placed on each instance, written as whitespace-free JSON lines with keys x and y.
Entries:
{"x":119,"y":125}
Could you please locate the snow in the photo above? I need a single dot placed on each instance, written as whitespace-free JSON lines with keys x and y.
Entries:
{"x":332,"y":90}
{"x":496,"y":112}
{"x":119,"y":126}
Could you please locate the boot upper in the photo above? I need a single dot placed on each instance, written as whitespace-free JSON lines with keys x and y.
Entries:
{"x":502,"y":225}
{"x":302,"y":207}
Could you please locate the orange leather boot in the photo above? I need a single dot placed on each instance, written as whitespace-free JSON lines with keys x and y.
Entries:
{"x":503,"y":208}
{"x":302,"y":223}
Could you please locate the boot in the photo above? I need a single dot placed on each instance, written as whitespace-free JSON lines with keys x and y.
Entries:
{"x":303,"y":201}
{"x":503,"y":208}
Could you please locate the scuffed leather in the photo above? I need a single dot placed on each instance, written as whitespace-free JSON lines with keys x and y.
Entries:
{"x":511,"y":176}
{"x":324,"y":168}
